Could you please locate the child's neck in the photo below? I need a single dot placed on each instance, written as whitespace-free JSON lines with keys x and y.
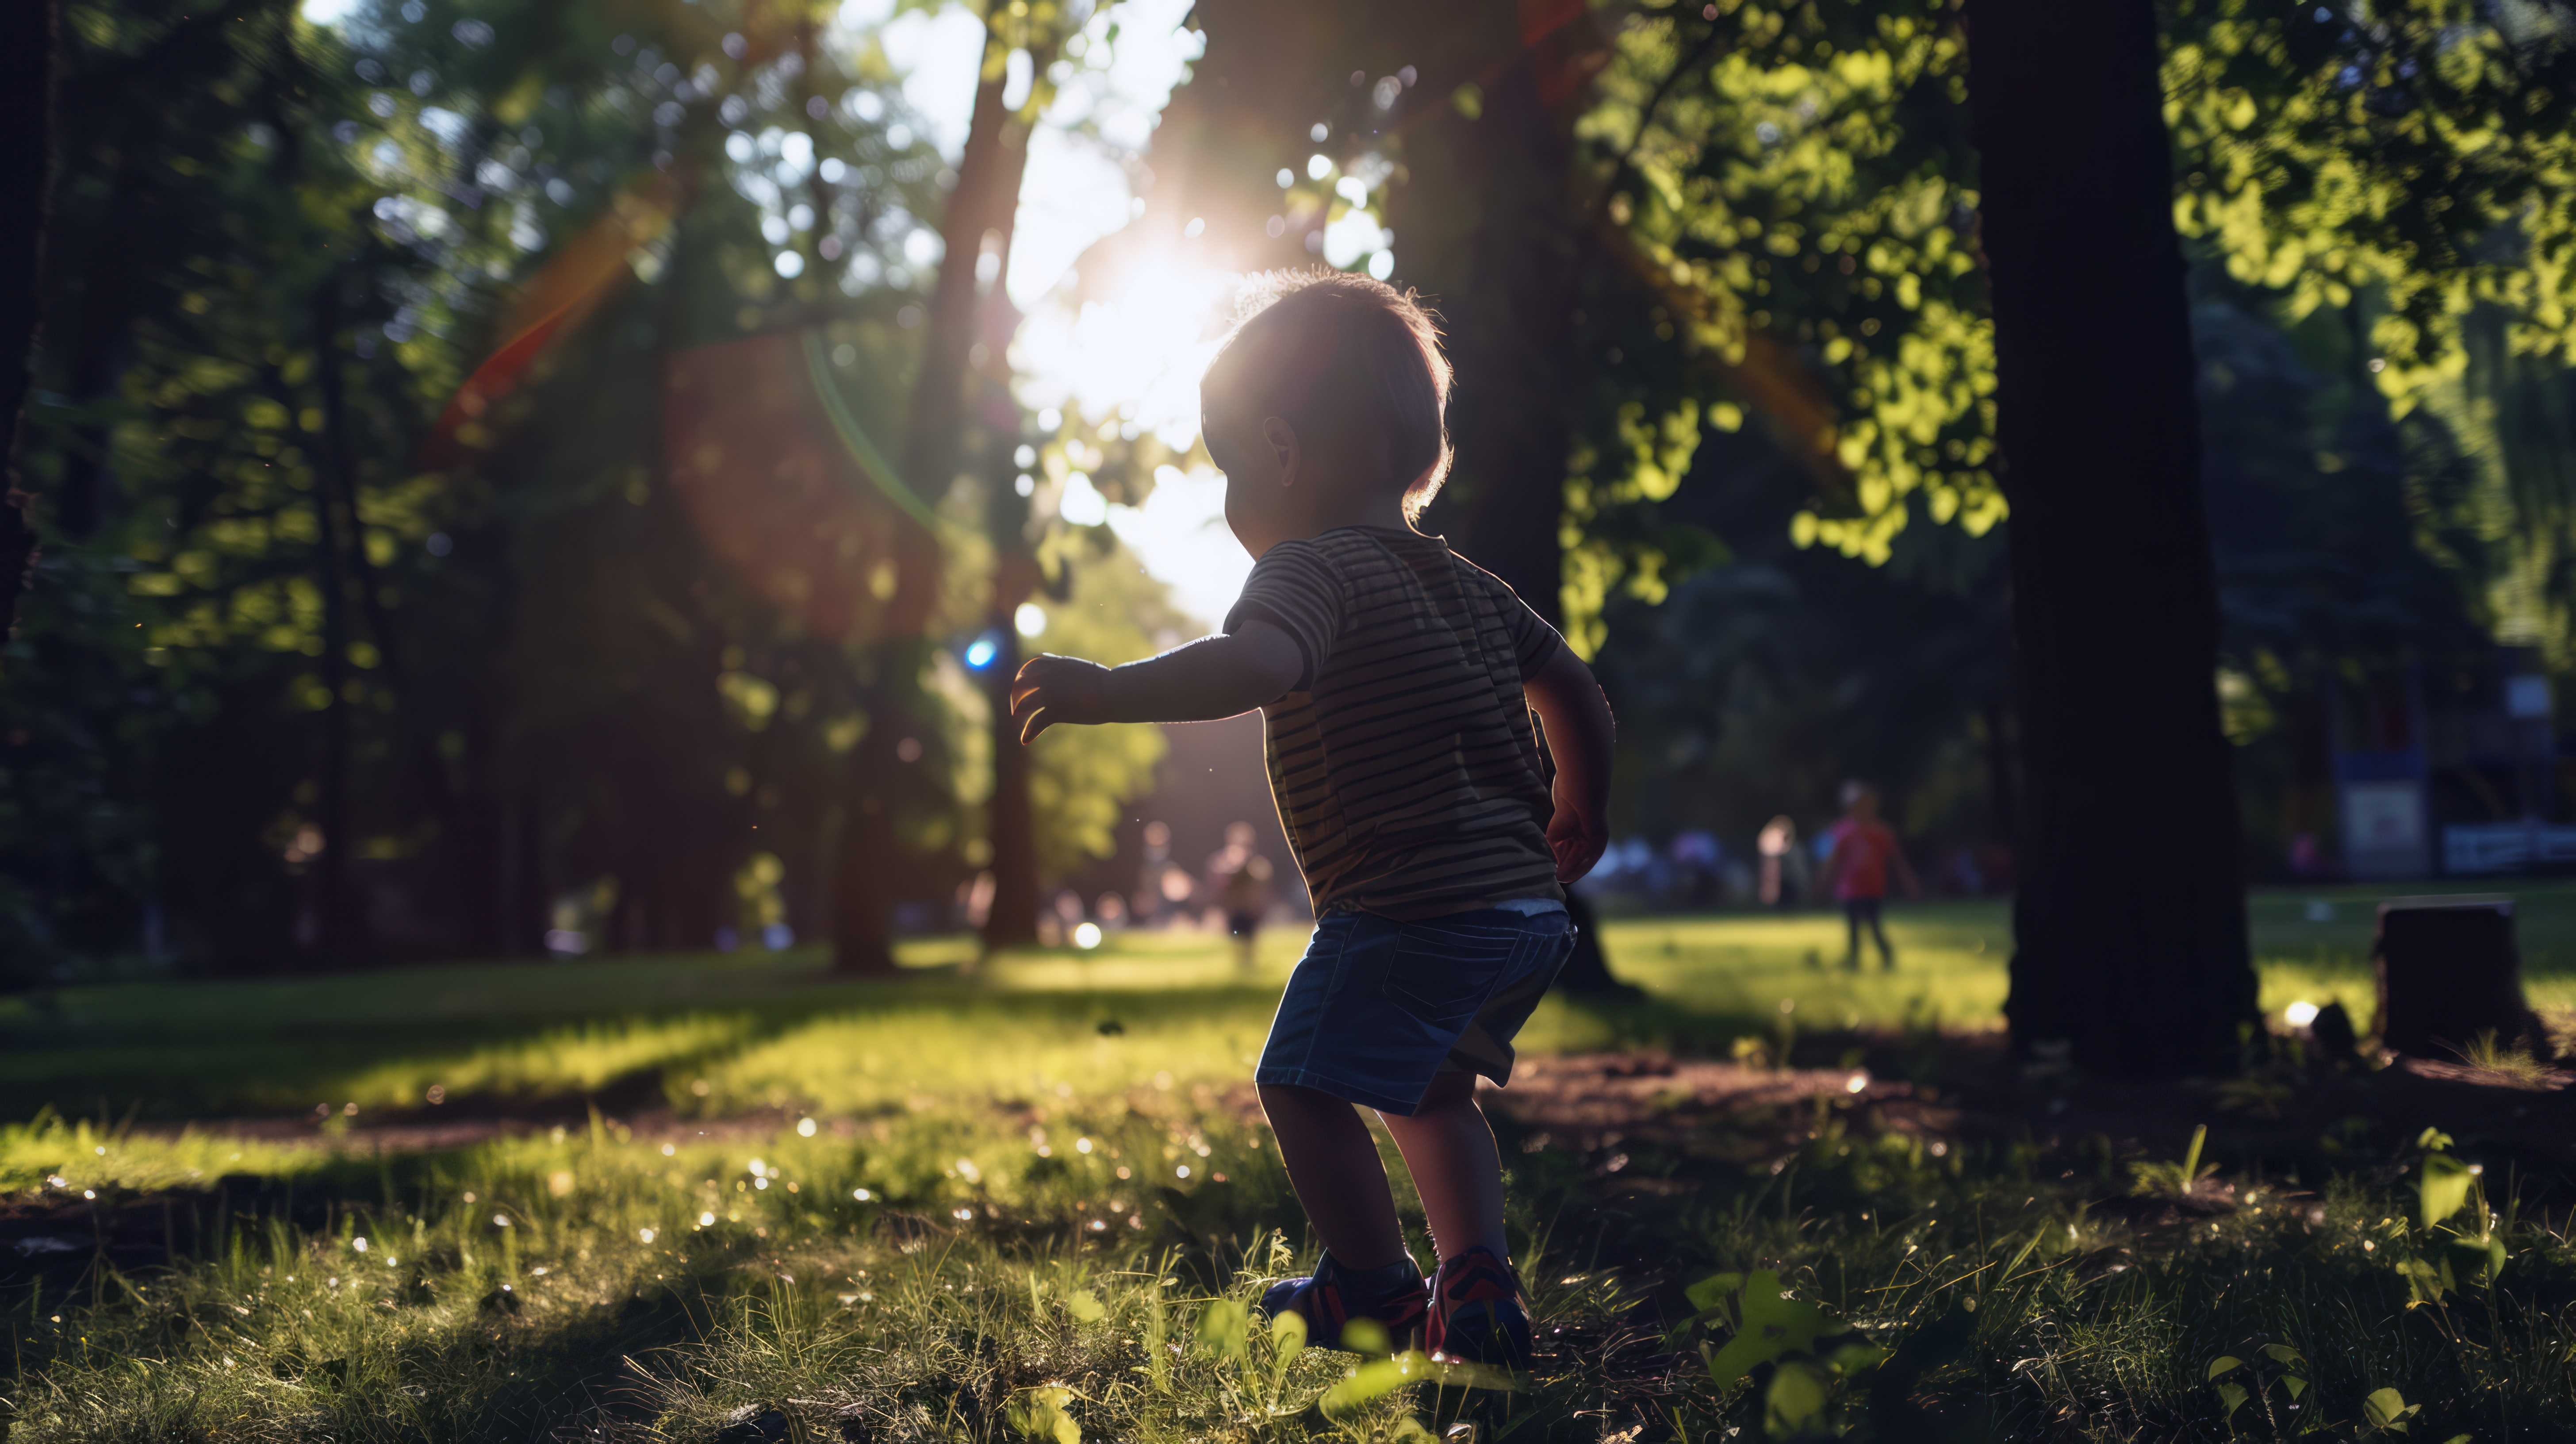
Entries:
{"x":1373,"y":506}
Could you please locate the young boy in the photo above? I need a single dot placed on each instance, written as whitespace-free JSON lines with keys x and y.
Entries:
{"x":1396,"y":683}
{"x":1864,"y":848}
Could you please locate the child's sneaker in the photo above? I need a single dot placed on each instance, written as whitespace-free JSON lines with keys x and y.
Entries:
{"x":1394,"y":1299}
{"x":1476,"y":1313}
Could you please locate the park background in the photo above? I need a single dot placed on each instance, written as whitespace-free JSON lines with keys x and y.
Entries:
{"x":538,"y":505}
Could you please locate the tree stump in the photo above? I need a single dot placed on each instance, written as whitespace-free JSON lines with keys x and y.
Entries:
{"x":2449,"y":971}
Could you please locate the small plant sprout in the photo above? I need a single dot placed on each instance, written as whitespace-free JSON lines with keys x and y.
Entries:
{"x":2385,"y":1412}
{"x":2174,"y":1180}
{"x":2279,"y":1365}
{"x":2445,"y":1186}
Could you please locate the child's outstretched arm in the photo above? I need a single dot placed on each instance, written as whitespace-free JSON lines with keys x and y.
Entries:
{"x":1213,"y":677}
{"x":1579,"y":734}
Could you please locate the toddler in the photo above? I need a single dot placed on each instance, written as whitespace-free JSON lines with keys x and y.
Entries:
{"x":1396,"y":682}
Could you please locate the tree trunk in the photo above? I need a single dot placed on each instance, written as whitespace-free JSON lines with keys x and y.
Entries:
{"x":1010,"y":824}
{"x":340,"y":923}
{"x":1486,"y":227}
{"x":985,"y":200}
{"x":2130,"y":914}
{"x":27,"y":82}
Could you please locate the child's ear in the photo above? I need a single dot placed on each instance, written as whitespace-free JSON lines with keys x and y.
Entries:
{"x":1281,"y":438}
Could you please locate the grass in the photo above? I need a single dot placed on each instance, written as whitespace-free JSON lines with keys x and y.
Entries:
{"x":970,"y":1208}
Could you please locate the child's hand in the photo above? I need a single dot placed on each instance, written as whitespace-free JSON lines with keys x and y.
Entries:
{"x":1577,"y":840}
{"x":1052,"y":689}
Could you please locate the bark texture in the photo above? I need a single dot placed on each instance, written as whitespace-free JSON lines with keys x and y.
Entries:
{"x":2130,"y":915}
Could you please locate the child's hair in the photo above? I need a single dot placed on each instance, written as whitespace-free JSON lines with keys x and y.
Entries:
{"x":1331,"y":352}
{"x":1855,"y":790}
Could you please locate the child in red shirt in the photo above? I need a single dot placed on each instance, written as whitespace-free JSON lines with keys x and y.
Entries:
{"x":1864,"y":848}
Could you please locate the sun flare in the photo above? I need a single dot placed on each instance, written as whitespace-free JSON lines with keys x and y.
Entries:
{"x":1132,"y":358}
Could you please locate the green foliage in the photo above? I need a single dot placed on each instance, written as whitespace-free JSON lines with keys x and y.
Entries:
{"x":304,"y":679}
{"x":2419,"y":152}
{"x":2278,"y":1366}
{"x":2385,"y":1411}
{"x":1798,"y":183}
{"x":1795,"y":186}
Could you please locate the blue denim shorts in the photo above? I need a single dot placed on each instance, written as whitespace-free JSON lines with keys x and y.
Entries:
{"x":1378,"y":1008}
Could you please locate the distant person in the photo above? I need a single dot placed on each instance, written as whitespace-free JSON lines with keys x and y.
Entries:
{"x":1148,"y":903}
{"x":1240,"y":879}
{"x":1782,"y":864}
{"x":1864,"y":850}
{"x":1397,"y":681}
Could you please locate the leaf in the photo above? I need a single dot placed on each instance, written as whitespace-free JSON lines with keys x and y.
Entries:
{"x":2480,"y":1259}
{"x":1380,"y":1377}
{"x":2295,"y":1385}
{"x":1040,"y":1414}
{"x":1774,"y":1324}
{"x":1796,"y":1402}
{"x":1364,"y":1336}
{"x":2233,"y":1396}
{"x":1288,"y":1332}
{"x":2387,"y":1409}
{"x":2223,"y":1364}
{"x":1709,"y":1292}
{"x":2282,"y":1354}
{"x":2425,"y":1284}
{"x":2445,"y":1187}
{"x":1085,"y":1306}
{"x":2432,"y":1140}
{"x":1220,"y":1328}
{"x":1856,"y":1356}
{"x":1287,"y":1341}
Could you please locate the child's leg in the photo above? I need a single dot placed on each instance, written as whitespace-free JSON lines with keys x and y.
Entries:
{"x":1333,"y":1164}
{"x":1877,"y":930}
{"x":1449,"y":1149}
{"x":1851,"y":919}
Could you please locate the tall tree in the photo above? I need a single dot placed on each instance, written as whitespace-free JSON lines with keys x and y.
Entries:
{"x":2130,"y":916}
{"x":938,"y":432}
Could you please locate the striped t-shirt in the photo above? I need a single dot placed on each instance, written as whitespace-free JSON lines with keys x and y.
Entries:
{"x":1404,"y":764}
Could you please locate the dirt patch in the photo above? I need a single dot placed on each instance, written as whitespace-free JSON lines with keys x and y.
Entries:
{"x":1597,"y":1100}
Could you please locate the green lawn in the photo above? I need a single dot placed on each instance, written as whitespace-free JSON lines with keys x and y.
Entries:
{"x":1015,"y":1202}
{"x":716,"y":1034}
